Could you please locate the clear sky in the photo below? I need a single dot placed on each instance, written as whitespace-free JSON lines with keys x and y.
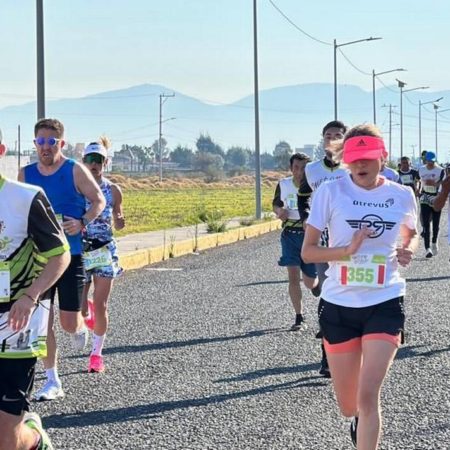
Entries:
{"x":204,"y":48}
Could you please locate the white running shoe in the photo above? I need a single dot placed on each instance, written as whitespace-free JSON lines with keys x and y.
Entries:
{"x":434,"y":248}
{"x":429,"y":253}
{"x":80,"y":339}
{"x":51,"y":390}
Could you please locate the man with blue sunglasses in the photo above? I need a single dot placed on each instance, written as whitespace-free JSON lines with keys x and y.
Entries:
{"x":67,"y":185}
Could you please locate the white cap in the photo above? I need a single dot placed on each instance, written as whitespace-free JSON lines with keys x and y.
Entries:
{"x":96,"y":148}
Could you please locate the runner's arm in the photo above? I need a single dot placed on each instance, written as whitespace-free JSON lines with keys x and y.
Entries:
{"x":119,"y":219}
{"x":441,"y":198}
{"x":304,"y":199}
{"x":278,"y":205}
{"x":87,"y":186}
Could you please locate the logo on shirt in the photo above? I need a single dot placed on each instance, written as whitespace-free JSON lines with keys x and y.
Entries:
{"x":374,"y":223}
{"x":2,"y":226}
{"x":386,"y":204}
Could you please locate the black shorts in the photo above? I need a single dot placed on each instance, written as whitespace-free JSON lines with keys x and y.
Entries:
{"x":70,"y":286}
{"x":345,"y":328}
{"x":16,"y":383}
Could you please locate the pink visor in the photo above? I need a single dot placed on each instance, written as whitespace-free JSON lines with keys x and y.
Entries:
{"x":363,"y":147}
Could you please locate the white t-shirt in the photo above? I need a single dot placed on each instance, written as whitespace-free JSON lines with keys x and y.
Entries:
{"x":390,"y":174}
{"x":435,"y":174}
{"x":317,"y":172}
{"x":344,"y":207}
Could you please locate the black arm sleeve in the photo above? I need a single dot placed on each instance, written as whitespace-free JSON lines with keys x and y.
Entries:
{"x":277,"y":198}
{"x":304,"y":199}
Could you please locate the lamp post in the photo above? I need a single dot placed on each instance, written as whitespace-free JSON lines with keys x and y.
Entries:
{"x":420,"y":119}
{"x":40,"y":59}
{"x":401,"y":85}
{"x":373,"y":88}
{"x":336,"y":46}
{"x":436,"y":107}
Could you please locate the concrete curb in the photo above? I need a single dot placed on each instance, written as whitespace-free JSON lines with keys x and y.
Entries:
{"x":140,"y":258}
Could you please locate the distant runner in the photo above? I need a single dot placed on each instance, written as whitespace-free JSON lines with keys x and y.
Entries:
{"x":100,"y":257}
{"x":431,"y":176}
{"x":286,"y":208}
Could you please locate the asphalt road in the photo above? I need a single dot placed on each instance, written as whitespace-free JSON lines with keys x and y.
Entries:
{"x":199,"y":357}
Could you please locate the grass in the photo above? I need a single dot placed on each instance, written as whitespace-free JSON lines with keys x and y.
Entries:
{"x":157,"y":209}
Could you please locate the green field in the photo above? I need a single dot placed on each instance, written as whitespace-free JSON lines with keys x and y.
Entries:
{"x":157,"y":209}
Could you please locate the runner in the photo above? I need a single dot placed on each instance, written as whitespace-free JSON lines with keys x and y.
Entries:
{"x":286,"y":208}
{"x":389,"y":173}
{"x":67,"y":184}
{"x":101,"y":260}
{"x":33,"y":254}
{"x":408,"y":176}
{"x":316,"y":173}
{"x":441,"y":198}
{"x":431,"y":176}
{"x":361,"y":310}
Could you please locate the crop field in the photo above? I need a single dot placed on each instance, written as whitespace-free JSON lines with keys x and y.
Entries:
{"x":149,"y":205}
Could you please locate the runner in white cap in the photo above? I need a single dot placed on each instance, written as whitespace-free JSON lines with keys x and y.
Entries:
{"x":100,"y":258}
{"x":361,"y":311}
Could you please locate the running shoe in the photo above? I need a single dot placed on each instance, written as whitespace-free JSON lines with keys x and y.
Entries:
{"x":90,"y":319}
{"x":32,"y":420}
{"x":429,"y":253}
{"x":434,"y":248}
{"x":96,"y":364}
{"x":316,"y":290}
{"x":353,"y":430}
{"x":51,"y":390}
{"x":80,"y":339}
{"x":299,"y":324}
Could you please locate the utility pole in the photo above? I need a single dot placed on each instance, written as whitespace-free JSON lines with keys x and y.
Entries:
{"x":390,"y":128}
{"x":162,"y":99}
{"x":40,"y":59}
{"x":258,"y":212}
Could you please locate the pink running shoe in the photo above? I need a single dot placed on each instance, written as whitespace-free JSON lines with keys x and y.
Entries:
{"x":90,"y":319}
{"x":96,"y":364}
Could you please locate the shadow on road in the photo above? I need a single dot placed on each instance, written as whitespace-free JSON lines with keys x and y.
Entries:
{"x":185,"y":343}
{"x":415,"y":280}
{"x":413,"y":351}
{"x":154,"y":410}
{"x":261,"y":283}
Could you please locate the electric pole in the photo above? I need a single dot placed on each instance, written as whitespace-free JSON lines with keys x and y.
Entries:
{"x":162,"y":99}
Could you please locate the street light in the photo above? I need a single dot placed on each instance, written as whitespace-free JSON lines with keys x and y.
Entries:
{"x":373,"y":88}
{"x":336,"y":46}
{"x":436,"y":107}
{"x":420,"y":120}
{"x":401,"y":85}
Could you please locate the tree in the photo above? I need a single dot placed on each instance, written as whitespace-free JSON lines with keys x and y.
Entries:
{"x":211,"y":165}
{"x":282,"y":154}
{"x":164,"y":150}
{"x":268,"y":161}
{"x":205,"y":144}
{"x":237,"y":157}
{"x":182,"y":155}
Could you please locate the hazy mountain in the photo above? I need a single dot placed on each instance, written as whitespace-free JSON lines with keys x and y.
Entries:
{"x":292,"y":113}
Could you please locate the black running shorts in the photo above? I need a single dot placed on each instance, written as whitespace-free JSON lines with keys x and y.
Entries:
{"x":16,"y":382}
{"x":344,"y":328}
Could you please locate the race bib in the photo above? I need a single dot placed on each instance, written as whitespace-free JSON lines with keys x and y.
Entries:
{"x":30,"y":341}
{"x":291,"y":202}
{"x":100,"y":257}
{"x":5,"y":282}
{"x":362,"y":270}
{"x":407,"y":179}
{"x":429,"y":189}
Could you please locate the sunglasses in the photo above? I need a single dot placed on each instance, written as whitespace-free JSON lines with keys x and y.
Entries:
{"x":94,"y":158}
{"x":51,"y":141}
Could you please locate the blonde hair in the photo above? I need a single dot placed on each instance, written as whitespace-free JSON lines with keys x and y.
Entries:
{"x":105,"y":141}
{"x":365,"y":129}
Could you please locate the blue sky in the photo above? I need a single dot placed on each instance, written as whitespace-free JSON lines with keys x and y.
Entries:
{"x":204,"y":48}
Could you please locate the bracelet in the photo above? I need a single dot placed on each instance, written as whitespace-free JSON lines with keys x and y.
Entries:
{"x":35,"y":301}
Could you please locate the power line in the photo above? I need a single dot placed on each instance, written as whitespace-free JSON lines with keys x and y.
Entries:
{"x":353,"y":65}
{"x":297,"y":27}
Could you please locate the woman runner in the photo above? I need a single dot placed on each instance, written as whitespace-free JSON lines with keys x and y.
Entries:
{"x":361,"y":307}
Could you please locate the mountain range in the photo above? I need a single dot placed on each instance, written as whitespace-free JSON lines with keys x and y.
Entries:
{"x":295,"y":114}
